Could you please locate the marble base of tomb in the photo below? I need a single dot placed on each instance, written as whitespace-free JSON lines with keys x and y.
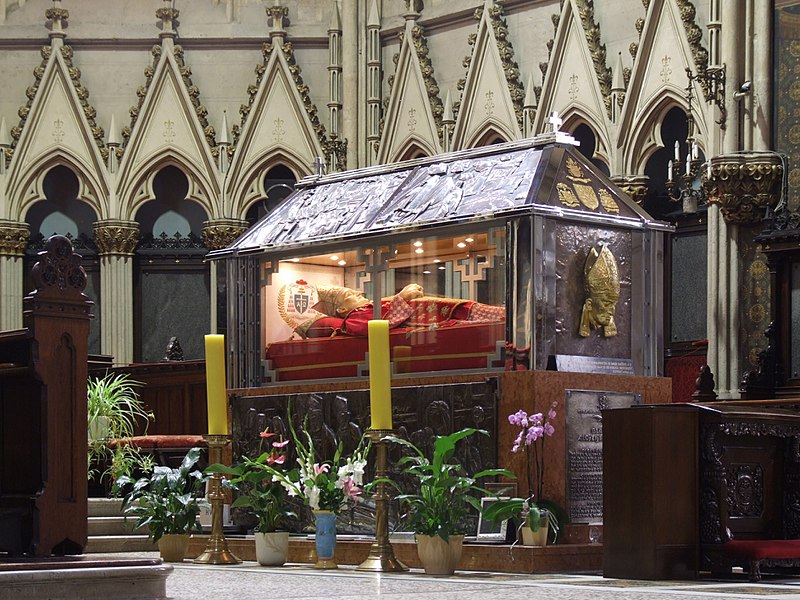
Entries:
{"x":561,"y":558}
{"x":80,"y":577}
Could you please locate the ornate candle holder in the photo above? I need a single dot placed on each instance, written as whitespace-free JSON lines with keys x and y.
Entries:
{"x":216,"y":552}
{"x":381,"y":554}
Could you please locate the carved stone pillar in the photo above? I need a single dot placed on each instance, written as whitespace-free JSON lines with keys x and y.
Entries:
{"x":633,"y":185}
{"x":221,"y":233}
{"x":745,"y":185}
{"x":13,"y":241}
{"x":216,"y":235}
{"x":740,"y":188}
{"x":116,"y":243}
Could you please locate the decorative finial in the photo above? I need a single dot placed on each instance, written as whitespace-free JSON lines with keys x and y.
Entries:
{"x":319,"y":166}
{"x":277,"y":19}
{"x":58,"y":21}
{"x":168,"y":15}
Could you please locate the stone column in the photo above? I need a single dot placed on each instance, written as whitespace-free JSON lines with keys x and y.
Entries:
{"x":13,"y":241}
{"x":217,"y":235}
{"x":116,"y":244}
{"x":741,"y":188}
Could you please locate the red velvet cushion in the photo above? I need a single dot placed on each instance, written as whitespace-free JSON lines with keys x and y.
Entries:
{"x":758,"y":549}
{"x":162,"y":441}
{"x":324,"y":327}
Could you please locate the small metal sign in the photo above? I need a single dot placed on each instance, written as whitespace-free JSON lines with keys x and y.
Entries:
{"x":585,"y":450}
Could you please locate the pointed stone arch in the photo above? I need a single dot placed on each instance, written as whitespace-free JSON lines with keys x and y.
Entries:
{"x":415,"y":109}
{"x":489,"y":134}
{"x":30,"y":186}
{"x":57,"y":127}
{"x":492,"y":93}
{"x":251,"y":185}
{"x":575,"y":116}
{"x":658,"y":81}
{"x":167,"y":127}
{"x":291,"y":131}
{"x":576,"y":78}
{"x":414,"y":148}
{"x":141,"y":183}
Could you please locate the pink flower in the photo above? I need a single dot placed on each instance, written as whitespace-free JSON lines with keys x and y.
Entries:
{"x":267,"y":434}
{"x":276,"y":459}
{"x":318,"y":468}
{"x":548,"y":429}
{"x":350,"y":488}
{"x":280,"y":444}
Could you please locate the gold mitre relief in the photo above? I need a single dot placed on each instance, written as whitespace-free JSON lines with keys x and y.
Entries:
{"x":601,"y":282}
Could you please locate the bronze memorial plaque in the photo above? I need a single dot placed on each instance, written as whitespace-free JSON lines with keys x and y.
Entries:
{"x":585,"y":450}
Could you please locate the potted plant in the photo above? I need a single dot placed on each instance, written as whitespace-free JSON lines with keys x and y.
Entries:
{"x":437,"y":511}
{"x":537,"y":517}
{"x":326,"y":486}
{"x":166,"y":500}
{"x":114,"y":410}
{"x":262,"y":494}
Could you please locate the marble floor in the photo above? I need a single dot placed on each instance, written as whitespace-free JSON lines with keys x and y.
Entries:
{"x":301,"y":582}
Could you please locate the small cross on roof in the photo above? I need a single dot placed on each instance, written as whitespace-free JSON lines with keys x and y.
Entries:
{"x":555,"y":121}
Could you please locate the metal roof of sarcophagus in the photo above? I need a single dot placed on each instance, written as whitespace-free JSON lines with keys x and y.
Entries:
{"x":495,"y":182}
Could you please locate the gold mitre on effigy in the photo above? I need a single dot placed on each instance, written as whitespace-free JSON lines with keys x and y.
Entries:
{"x":601,"y":282}
{"x":338,"y":301}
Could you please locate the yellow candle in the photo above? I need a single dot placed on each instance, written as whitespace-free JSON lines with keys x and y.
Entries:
{"x":215,"y":385}
{"x":380,"y":375}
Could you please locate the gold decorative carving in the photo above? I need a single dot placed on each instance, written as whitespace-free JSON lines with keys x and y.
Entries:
{"x":574,"y":171}
{"x":567,"y":196}
{"x":744,"y":185}
{"x":222,"y":232}
{"x":13,"y":238}
{"x":596,"y":49}
{"x":114,"y":237}
{"x":635,"y":186}
{"x":608,"y":202}
{"x":587,"y":196}
{"x":601,"y":284}
{"x":57,"y":14}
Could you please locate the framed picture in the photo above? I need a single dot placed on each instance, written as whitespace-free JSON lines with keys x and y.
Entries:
{"x":491,"y":531}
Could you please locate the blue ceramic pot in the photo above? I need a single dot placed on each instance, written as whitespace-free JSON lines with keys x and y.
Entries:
{"x":325,"y":539}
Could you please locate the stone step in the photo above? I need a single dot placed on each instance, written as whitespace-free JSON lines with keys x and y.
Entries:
{"x":114,"y":526}
{"x":99,"y":544}
{"x":105,"y":507}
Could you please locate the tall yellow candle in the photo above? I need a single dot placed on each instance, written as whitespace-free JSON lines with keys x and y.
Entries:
{"x":380,"y":375}
{"x":215,"y":385}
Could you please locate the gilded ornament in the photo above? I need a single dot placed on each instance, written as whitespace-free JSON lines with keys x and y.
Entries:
{"x":574,"y":171}
{"x":587,"y":196}
{"x":567,"y":196}
{"x":13,"y":239}
{"x":601,"y":284}
{"x":220,"y":234}
{"x":608,"y":202}
{"x":116,"y":237}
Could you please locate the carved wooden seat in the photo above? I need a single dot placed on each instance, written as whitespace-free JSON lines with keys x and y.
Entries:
{"x":756,"y":551}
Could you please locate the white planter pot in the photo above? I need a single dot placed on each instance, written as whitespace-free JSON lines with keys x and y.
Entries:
{"x":272,"y":549}
{"x":539,"y":537}
{"x":437,"y":556}
{"x":98,"y":428}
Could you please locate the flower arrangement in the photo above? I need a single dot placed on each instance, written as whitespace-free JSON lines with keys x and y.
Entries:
{"x":534,"y":429}
{"x":259,"y":489}
{"x":323,"y":485}
{"x":531,"y":437}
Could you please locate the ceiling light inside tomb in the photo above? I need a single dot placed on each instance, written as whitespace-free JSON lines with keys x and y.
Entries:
{"x":469,"y":240}
{"x":334,"y":257}
{"x":342,"y":262}
{"x":418,"y":243}
{"x":461,"y":245}
{"x":419,"y":250}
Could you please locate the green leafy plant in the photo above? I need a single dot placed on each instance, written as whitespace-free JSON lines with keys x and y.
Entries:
{"x":166,"y":499}
{"x":445,"y":493}
{"x":258,"y":489}
{"x":114,"y":410}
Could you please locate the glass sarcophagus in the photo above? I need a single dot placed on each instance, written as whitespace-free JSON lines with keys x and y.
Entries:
{"x":515,"y":256}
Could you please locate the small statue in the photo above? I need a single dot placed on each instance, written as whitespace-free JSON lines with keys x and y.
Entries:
{"x":174,"y":350}
{"x":601,"y":282}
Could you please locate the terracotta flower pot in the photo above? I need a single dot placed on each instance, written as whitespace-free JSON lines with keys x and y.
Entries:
{"x":437,"y":556}
{"x":272,"y":549}
{"x":173,"y":546}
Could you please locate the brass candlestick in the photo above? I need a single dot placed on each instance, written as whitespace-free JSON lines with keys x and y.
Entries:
{"x":381,"y":553}
{"x":216,"y":552}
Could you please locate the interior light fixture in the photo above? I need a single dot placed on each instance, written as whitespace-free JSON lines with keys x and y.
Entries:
{"x":442,"y":268}
{"x":334,"y":257}
{"x":437,"y":260}
{"x":295,"y":260}
{"x":418,"y":243}
{"x":342,"y":262}
{"x":426,"y":272}
{"x":469,"y":240}
{"x":419,"y":250}
{"x":461,"y":245}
